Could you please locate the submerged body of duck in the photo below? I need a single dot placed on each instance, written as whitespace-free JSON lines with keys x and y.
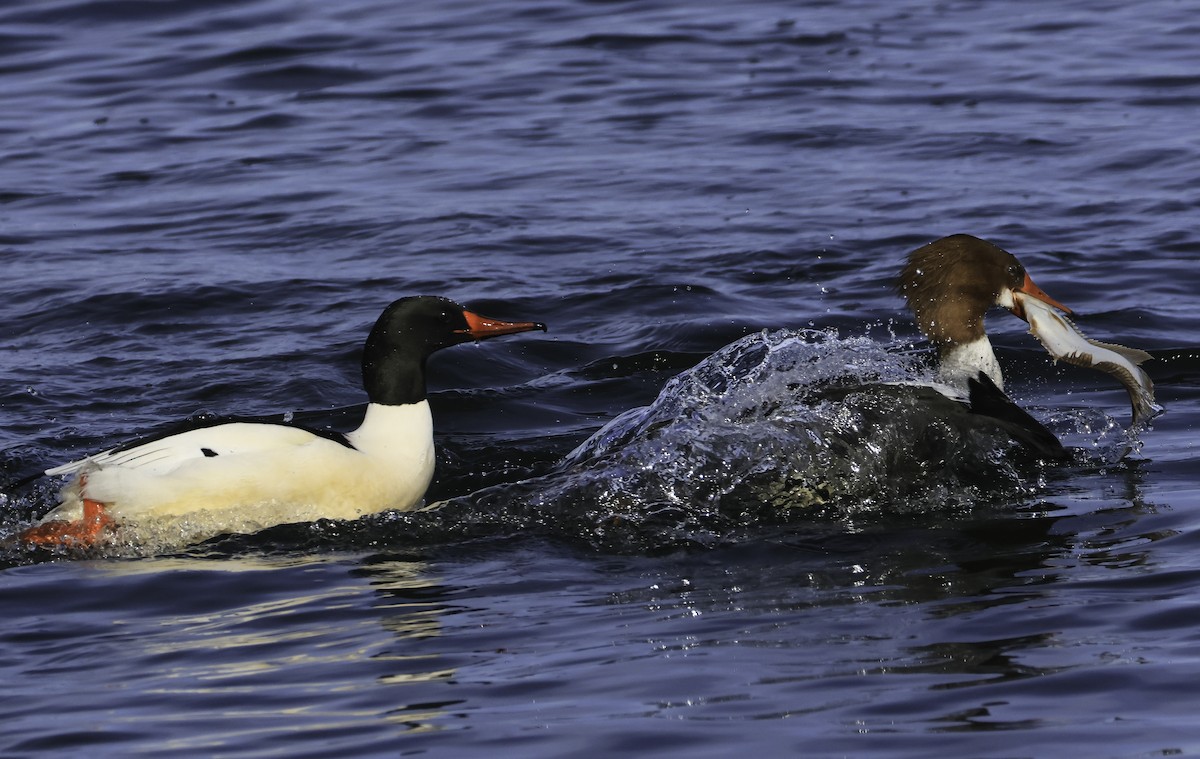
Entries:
{"x":951,"y":283}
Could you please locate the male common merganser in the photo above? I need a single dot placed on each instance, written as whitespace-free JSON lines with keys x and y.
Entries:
{"x":282,"y":472}
{"x":949,"y":284}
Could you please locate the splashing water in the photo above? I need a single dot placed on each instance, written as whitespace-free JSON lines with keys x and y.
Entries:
{"x":776,"y":427}
{"x":792,"y":419}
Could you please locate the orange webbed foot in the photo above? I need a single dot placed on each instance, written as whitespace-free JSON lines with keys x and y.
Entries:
{"x":87,"y":531}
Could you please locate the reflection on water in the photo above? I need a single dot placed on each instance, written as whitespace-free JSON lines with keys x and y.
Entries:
{"x":308,"y":640}
{"x":926,"y":623}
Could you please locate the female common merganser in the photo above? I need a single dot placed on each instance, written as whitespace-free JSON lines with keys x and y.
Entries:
{"x":282,"y":472}
{"x":949,"y":285}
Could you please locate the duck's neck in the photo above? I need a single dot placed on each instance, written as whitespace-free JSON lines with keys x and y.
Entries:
{"x":962,"y":361}
{"x":401,"y":432}
{"x":393,"y":374}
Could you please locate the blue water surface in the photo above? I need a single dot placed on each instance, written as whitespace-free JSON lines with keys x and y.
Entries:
{"x":204,"y":206}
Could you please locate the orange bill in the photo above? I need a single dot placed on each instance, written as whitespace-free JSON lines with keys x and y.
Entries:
{"x":481,"y":327}
{"x":1032,"y":290}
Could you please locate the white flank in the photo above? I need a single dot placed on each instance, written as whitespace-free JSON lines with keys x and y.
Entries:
{"x":262,"y":474}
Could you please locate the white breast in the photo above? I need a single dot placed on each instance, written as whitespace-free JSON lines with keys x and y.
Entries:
{"x":966,"y":361}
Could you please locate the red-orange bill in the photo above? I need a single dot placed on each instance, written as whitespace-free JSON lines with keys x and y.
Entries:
{"x":1032,"y":290}
{"x":481,"y":327}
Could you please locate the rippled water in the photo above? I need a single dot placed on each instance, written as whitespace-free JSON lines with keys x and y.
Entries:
{"x":205,"y":206}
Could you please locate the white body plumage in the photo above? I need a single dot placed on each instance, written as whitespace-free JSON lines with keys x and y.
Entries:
{"x":272,"y":473}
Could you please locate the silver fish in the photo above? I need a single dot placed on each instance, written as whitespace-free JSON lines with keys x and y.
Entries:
{"x":1065,"y":342}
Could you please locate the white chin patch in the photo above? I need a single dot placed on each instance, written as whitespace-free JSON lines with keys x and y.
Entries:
{"x":1005,"y":298}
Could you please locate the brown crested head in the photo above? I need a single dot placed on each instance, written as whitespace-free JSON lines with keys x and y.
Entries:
{"x":950,"y":283}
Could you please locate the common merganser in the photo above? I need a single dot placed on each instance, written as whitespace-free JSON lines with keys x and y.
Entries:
{"x":282,"y":472}
{"x":949,"y":284}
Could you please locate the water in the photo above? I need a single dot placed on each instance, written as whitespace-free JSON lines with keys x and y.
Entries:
{"x":205,"y":206}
